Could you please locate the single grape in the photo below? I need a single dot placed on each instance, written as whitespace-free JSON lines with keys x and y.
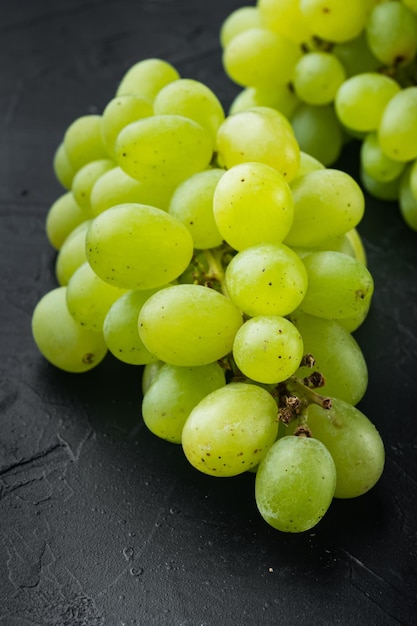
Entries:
{"x":63,"y":216}
{"x":338,"y":285}
{"x":318,"y":132}
{"x":163,"y":149}
{"x":388,"y":190}
{"x":355,"y":56}
{"x":397,"y":129}
{"x":72,"y":253}
{"x":84,"y":180}
{"x":268,"y":349}
{"x":136,"y":246}
{"x":252,"y":205}
{"x":174,"y":393}
{"x":377,"y":164}
{"x":285,"y":17}
{"x":237,"y":21}
{"x":189,"y":325}
{"x":146,"y":78}
{"x":334,"y":20}
{"x":354,"y":443}
{"x":391,"y":33}
{"x":266,"y":279}
{"x":83,"y":142}
{"x":295,"y":483}
{"x":65,"y":343}
{"x":150,"y":372}
{"x":317,"y":77}
{"x":62,"y":166}
{"x":407,"y":198}
{"x":230,"y":430}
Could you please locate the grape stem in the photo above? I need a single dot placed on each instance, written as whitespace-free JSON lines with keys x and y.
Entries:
{"x":215,"y":271}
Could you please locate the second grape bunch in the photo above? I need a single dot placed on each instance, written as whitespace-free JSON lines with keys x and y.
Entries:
{"x":224,"y":262}
{"x":338,"y":71}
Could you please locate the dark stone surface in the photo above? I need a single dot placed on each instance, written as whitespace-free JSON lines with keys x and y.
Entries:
{"x":100,"y":522}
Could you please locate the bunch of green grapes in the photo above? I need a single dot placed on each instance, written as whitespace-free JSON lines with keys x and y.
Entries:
{"x":214,"y":254}
{"x":337,"y":71}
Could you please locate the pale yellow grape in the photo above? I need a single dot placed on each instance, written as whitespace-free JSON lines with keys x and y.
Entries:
{"x":120,"y":328}
{"x":338,"y":285}
{"x":279,"y":97}
{"x":259,"y":57}
{"x":377,"y":164}
{"x":327,"y":203}
{"x":136,"y":246}
{"x":63,"y":168}
{"x":391,"y":33}
{"x":382,"y":190}
{"x":194,"y":100}
{"x":295,"y":483}
{"x":63,"y":216}
{"x":340,"y":243}
{"x":252,"y":204}
{"x":72,"y":253}
{"x":174,"y":393}
{"x":237,"y":21}
{"x":120,"y":112}
{"x":146,"y":78}
{"x":268,"y":349}
{"x":285,"y":17}
{"x":317,"y":77}
{"x":89,"y":298}
{"x":361,"y":100}
{"x":192,"y":204}
{"x":318,"y":132}
{"x":230,"y":430}
{"x":84,"y":180}
{"x":259,"y":134}
{"x":266,"y":279}
{"x":335,"y":20}
{"x":189,"y":325}
{"x":407,"y":199}
{"x":60,"y":339}
{"x":117,"y":187}
{"x":83,"y":142}
{"x":163,"y":149}
{"x":397,"y":130}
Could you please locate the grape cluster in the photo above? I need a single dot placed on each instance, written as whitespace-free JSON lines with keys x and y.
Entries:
{"x":337,"y":70}
{"x":214,"y":254}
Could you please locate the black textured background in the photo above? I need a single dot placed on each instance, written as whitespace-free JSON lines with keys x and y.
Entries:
{"x":100,"y":522}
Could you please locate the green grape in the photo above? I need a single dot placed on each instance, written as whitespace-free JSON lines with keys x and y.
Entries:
{"x":63,"y":168}
{"x":348,"y":243}
{"x":407,"y":198}
{"x":355,"y":56}
{"x":150,"y":372}
{"x":83,"y":142}
{"x":268,"y":349}
{"x":259,"y":134}
{"x":353,"y":322}
{"x":136,"y":246}
{"x":189,"y":325}
{"x":377,"y":164}
{"x":63,"y":216}
{"x":192,"y":204}
{"x":252,"y":204}
{"x":72,"y":253}
{"x":237,"y":21}
{"x":174,"y":393}
{"x":230,"y":430}
{"x":382,"y":190}
{"x":338,"y":357}
{"x":317,"y":77}
{"x":391,"y":33}
{"x":120,"y":112}
{"x":89,"y":298}
{"x":398,"y":126}
{"x":318,"y":132}
{"x":65,"y":343}
{"x":163,"y":149}
{"x":410,"y":4}
{"x":361,"y":100}
{"x":266,"y":279}
{"x":285,"y":17}
{"x":338,"y":285}
{"x":334,"y":20}
{"x":146,"y":78}
{"x":413,"y":177}
{"x":251,"y":58}
{"x":117,"y":187}
{"x":193,"y":100}
{"x":327,"y":203}
{"x":354,"y":443}
{"x":308,"y":164}
{"x":84,"y":180}
{"x":120,"y":328}
{"x":295,"y":483}
{"x":279,"y":97}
